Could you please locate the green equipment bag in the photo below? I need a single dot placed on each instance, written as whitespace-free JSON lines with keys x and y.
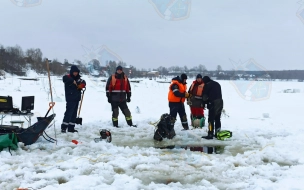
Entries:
{"x":8,"y":141}
{"x":197,"y":122}
{"x":202,"y":122}
{"x":222,"y":135}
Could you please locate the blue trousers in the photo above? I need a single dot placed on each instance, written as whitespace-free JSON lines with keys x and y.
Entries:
{"x":70,"y":116}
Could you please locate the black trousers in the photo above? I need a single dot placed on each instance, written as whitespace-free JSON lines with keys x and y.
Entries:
{"x":125,"y":110}
{"x":214,"y":118}
{"x":179,"y":108}
{"x":70,"y":115}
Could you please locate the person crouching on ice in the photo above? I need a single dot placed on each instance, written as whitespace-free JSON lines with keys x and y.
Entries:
{"x":195,"y":101}
{"x":119,"y":93}
{"x":73,"y":85}
{"x":176,"y":96}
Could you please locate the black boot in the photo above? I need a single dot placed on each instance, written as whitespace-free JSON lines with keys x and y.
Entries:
{"x":186,"y":127}
{"x":63,"y":128}
{"x":210,"y":131}
{"x":130,"y":123}
{"x":184,"y":123}
{"x":115,"y":123}
{"x":209,"y":136}
{"x":72,"y":131}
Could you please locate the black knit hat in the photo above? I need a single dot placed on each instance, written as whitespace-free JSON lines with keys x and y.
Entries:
{"x":119,"y":68}
{"x":199,"y":76}
{"x":183,"y":76}
{"x":74,"y":68}
{"x":206,"y":79}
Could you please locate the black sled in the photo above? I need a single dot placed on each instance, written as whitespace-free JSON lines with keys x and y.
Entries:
{"x":30,"y":135}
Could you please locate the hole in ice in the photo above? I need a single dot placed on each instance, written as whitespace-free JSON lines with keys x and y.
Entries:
{"x":204,"y":149}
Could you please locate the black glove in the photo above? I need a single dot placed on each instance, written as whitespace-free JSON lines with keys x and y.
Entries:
{"x":109,"y":99}
{"x":128,"y":99}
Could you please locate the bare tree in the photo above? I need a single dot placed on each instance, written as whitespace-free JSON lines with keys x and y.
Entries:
{"x":185,"y":69}
{"x":202,"y":69}
{"x":219,"y":68}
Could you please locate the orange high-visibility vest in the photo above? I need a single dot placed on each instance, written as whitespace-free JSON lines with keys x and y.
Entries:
{"x":182,"y":89}
{"x":125,"y":83}
{"x":199,"y":91}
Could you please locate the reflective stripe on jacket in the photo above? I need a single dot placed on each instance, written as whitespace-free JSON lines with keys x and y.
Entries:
{"x":118,"y":87}
{"x":181,"y":88}
{"x":114,"y":82}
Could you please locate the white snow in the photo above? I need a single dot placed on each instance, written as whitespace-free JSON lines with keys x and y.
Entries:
{"x":264,"y":152}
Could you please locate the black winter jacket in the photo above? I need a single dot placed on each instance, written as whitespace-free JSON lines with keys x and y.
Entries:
{"x":72,"y":94}
{"x":212,"y":91}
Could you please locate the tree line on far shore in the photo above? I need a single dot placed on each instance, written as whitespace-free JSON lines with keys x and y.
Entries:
{"x":15,"y":61}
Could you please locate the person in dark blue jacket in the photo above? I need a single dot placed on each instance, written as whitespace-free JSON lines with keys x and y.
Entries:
{"x":73,"y":85}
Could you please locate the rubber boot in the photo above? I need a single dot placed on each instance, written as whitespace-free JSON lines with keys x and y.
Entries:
{"x":63,"y":128}
{"x":115,"y":123}
{"x":210,"y":131}
{"x":71,"y":129}
{"x":129,"y":122}
{"x":209,"y":136}
{"x":185,"y":126}
{"x":185,"y":123}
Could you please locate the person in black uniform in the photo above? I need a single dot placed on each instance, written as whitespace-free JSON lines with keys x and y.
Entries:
{"x":73,"y":84}
{"x":212,"y":96}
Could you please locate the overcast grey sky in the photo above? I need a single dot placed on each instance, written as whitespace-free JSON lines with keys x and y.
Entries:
{"x":216,"y":32}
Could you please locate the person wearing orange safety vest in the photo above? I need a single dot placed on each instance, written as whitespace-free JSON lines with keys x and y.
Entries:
{"x":118,"y":91}
{"x":176,"y":96}
{"x":195,"y":102}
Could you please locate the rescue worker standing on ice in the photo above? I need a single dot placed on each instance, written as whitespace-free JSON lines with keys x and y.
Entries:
{"x":176,"y":96}
{"x":195,"y":102}
{"x":73,"y":85}
{"x":119,"y":93}
{"x":212,"y":96}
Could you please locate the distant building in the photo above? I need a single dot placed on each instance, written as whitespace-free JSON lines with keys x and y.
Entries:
{"x":153,"y":74}
{"x":127,"y":70}
{"x":143,"y":73}
{"x":175,"y":72}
